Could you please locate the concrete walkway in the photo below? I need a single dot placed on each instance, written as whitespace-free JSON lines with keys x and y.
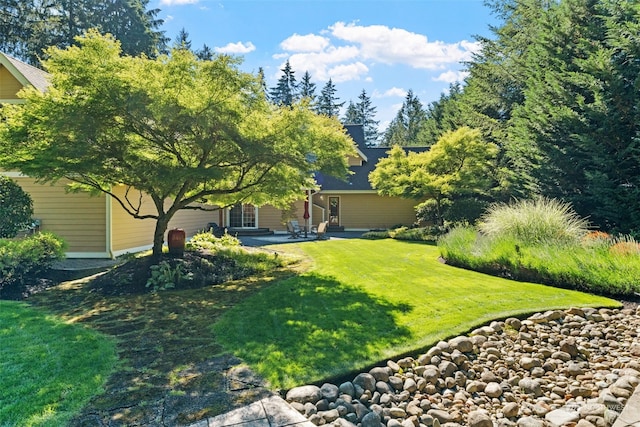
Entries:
{"x":269,"y":412}
{"x":279,"y":238}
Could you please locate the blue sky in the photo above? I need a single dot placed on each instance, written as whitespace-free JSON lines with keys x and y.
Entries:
{"x":384,"y":47}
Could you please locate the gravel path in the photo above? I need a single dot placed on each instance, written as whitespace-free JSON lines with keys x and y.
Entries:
{"x":575,"y":367}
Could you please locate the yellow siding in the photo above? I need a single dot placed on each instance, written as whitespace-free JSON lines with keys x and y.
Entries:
{"x":354,"y":161}
{"x":368,"y":211}
{"x":129,"y":234}
{"x":270,"y":217}
{"x":76,"y":217}
{"x":9,"y":85}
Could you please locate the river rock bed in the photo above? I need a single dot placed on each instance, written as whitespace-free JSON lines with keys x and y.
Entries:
{"x":575,"y":367}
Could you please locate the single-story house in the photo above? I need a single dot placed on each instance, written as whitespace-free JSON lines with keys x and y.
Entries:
{"x":98,"y":227}
{"x":351,"y":205}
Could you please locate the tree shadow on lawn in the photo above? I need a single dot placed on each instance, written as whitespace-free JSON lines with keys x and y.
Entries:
{"x":309,"y":328}
{"x":171,"y":371}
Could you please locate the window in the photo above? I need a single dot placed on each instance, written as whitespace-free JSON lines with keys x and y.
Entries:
{"x":334,"y":210}
{"x":243,"y":216}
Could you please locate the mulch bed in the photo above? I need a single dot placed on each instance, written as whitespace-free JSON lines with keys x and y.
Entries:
{"x":130,"y":278}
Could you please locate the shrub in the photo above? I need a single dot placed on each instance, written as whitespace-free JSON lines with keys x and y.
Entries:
{"x":209,"y":242}
{"x":465,"y":210}
{"x":376,"y":234}
{"x":429,"y":212}
{"x":165,"y":276}
{"x":16,"y":208}
{"x":457,"y":245}
{"x":624,"y":246}
{"x":534,"y":221}
{"x":597,"y":263}
{"x":423,"y":234}
{"x":25,"y":259}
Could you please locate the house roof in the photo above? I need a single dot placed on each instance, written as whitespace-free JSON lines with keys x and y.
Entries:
{"x":359,"y":179}
{"x":26,"y":74}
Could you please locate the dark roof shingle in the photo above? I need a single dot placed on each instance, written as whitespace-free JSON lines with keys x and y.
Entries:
{"x":359,"y":180}
{"x":35,"y":76}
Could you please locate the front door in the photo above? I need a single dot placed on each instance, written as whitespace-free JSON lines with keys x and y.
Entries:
{"x":334,"y":211}
{"x":242,"y":216}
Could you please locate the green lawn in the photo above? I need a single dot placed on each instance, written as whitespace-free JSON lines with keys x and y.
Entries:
{"x":48,"y":369}
{"x":362,"y":301}
{"x":368,"y":300}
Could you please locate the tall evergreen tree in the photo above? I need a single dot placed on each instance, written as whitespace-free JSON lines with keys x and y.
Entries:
{"x":496,"y":85}
{"x":351,"y":115}
{"x":286,"y":91}
{"x":182,"y":40}
{"x":444,"y":115}
{"x":367,"y":112}
{"x":28,"y":27}
{"x":262,"y":81}
{"x":496,"y":81}
{"x":133,"y":25}
{"x":576,"y":133}
{"x":206,"y":54}
{"x":307,"y":88}
{"x":328,"y":101}
{"x":405,"y":127}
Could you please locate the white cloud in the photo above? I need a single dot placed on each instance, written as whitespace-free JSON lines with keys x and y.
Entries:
{"x":346,"y":52}
{"x":319,"y":64}
{"x":347,"y":72}
{"x":398,"y":46}
{"x":236,"y":48}
{"x":451,"y":76}
{"x":177,"y":2}
{"x":391,"y":93}
{"x":308,"y":43}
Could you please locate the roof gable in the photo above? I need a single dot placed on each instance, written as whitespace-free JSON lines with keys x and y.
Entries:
{"x":359,"y":179}
{"x":25,"y":74}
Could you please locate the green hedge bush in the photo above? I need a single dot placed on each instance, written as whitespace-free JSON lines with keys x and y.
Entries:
{"x":25,"y":259}
{"x":420,"y":234}
{"x":16,"y":207}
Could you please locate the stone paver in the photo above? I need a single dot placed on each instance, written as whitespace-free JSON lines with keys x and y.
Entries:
{"x":630,"y":416}
{"x":269,"y":412}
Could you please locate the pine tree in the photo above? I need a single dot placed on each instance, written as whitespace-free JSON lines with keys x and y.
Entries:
{"x":262,"y":81}
{"x":286,"y":91}
{"x":405,"y":127}
{"x":351,"y":116}
{"x":576,"y":133}
{"x":328,"y":101}
{"x":442,"y":116}
{"x":307,"y":88}
{"x":28,"y":27}
{"x":182,"y":40}
{"x":132,"y":24}
{"x":206,"y":54}
{"x":367,"y":112}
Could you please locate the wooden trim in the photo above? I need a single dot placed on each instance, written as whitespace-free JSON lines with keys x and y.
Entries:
{"x":14,"y":71}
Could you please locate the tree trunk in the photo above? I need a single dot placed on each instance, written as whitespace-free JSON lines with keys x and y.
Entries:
{"x":162,"y":223}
